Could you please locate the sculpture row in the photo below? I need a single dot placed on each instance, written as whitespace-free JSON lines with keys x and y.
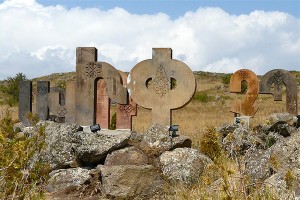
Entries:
{"x":160,"y":84}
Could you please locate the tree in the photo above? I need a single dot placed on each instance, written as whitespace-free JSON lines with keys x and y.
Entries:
{"x":10,"y":88}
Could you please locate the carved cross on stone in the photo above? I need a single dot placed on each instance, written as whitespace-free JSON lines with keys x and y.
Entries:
{"x":244,"y":107}
{"x":161,"y":97}
{"x":280,"y":77}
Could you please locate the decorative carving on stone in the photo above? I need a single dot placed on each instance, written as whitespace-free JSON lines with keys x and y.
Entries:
{"x":278,"y":78}
{"x":161,"y":83}
{"x":93,"y":70}
{"x":126,"y":111}
{"x":89,"y":71}
{"x":61,"y":111}
{"x":161,"y":69}
{"x":246,"y":106}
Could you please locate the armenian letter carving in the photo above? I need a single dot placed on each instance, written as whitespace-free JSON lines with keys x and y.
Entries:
{"x":245,"y":106}
{"x":278,"y":77}
{"x":161,"y":84}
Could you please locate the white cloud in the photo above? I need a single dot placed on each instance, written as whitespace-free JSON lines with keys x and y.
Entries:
{"x":38,"y":40}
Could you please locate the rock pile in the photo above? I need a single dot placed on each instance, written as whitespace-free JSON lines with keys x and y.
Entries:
{"x":117,"y":164}
{"x":271,"y":152}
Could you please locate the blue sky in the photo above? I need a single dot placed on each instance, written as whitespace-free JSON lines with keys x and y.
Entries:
{"x":39,"y":37}
{"x":176,"y":8}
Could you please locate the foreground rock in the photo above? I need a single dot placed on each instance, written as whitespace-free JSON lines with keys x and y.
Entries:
{"x":64,"y":179}
{"x":59,"y":144}
{"x":157,"y":140}
{"x":127,"y":156}
{"x":183,"y":164}
{"x":286,"y":185}
{"x":131,"y":181}
{"x":92,"y":148}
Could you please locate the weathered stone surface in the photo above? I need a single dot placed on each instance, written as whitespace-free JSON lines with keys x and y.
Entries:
{"x":64,"y":179}
{"x":56,"y":103}
{"x":244,"y":107}
{"x":43,"y":88}
{"x":25,"y":101}
{"x":183,"y":164}
{"x":131,"y":181}
{"x":238,"y":142}
{"x":278,"y":77}
{"x":287,"y":151}
{"x":127,"y":156}
{"x":88,"y":73}
{"x":70,"y":102}
{"x":59,"y":140}
{"x":284,"y":187}
{"x":225,"y":129}
{"x":258,"y":166}
{"x":282,"y":128}
{"x":125,"y":112}
{"x":157,"y":140}
{"x":162,"y":97}
{"x":102,"y":105}
{"x":279,"y":117}
{"x":92,"y":148}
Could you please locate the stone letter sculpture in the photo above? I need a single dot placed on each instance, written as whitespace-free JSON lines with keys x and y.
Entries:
{"x":161,"y":97}
{"x":125,"y":111}
{"x":245,"y":106}
{"x":88,"y":73}
{"x":279,"y":77}
{"x":43,"y":88}
{"x":25,"y":101}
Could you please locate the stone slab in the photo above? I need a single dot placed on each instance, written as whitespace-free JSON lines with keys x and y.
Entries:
{"x":70,"y":102}
{"x":102,"y":105}
{"x":25,"y":101}
{"x":43,"y":88}
{"x":124,"y":112}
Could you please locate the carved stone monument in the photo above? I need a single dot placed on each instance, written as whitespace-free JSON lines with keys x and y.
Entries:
{"x":103,"y":105}
{"x":56,"y":103}
{"x":88,"y":73}
{"x":244,"y":107}
{"x":125,"y":111}
{"x":162,"y":96}
{"x":70,"y":102}
{"x":43,"y":88}
{"x":279,"y":77}
{"x":25,"y":99}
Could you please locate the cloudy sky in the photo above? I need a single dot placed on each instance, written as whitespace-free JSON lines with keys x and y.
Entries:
{"x":40,"y":37}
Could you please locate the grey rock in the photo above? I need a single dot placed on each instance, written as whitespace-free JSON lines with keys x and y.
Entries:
{"x":126,"y":156}
{"x":59,"y":150}
{"x":276,"y":117}
{"x":287,"y":151}
{"x":18,"y":127}
{"x":131,"y":181}
{"x":283,"y":187}
{"x":238,"y":142}
{"x":157,"y":140}
{"x":258,"y":165}
{"x":282,"y":128}
{"x":64,"y":179}
{"x":225,"y":129}
{"x":92,"y":148}
{"x":183,"y":164}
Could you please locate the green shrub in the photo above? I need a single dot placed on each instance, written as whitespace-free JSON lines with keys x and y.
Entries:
{"x":10,"y":88}
{"x":210,"y":144}
{"x":226,"y":79}
{"x":202,"y":97}
{"x":22,"y":173}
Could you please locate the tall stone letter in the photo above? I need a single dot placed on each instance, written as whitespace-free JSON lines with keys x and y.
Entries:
{"x":43,"y":88}
{"x":25,"y":101}
{"x":246,"y":106}
{"x":279,"y":77}
{"x":88,"y":73}
{"x":161,"y":97}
